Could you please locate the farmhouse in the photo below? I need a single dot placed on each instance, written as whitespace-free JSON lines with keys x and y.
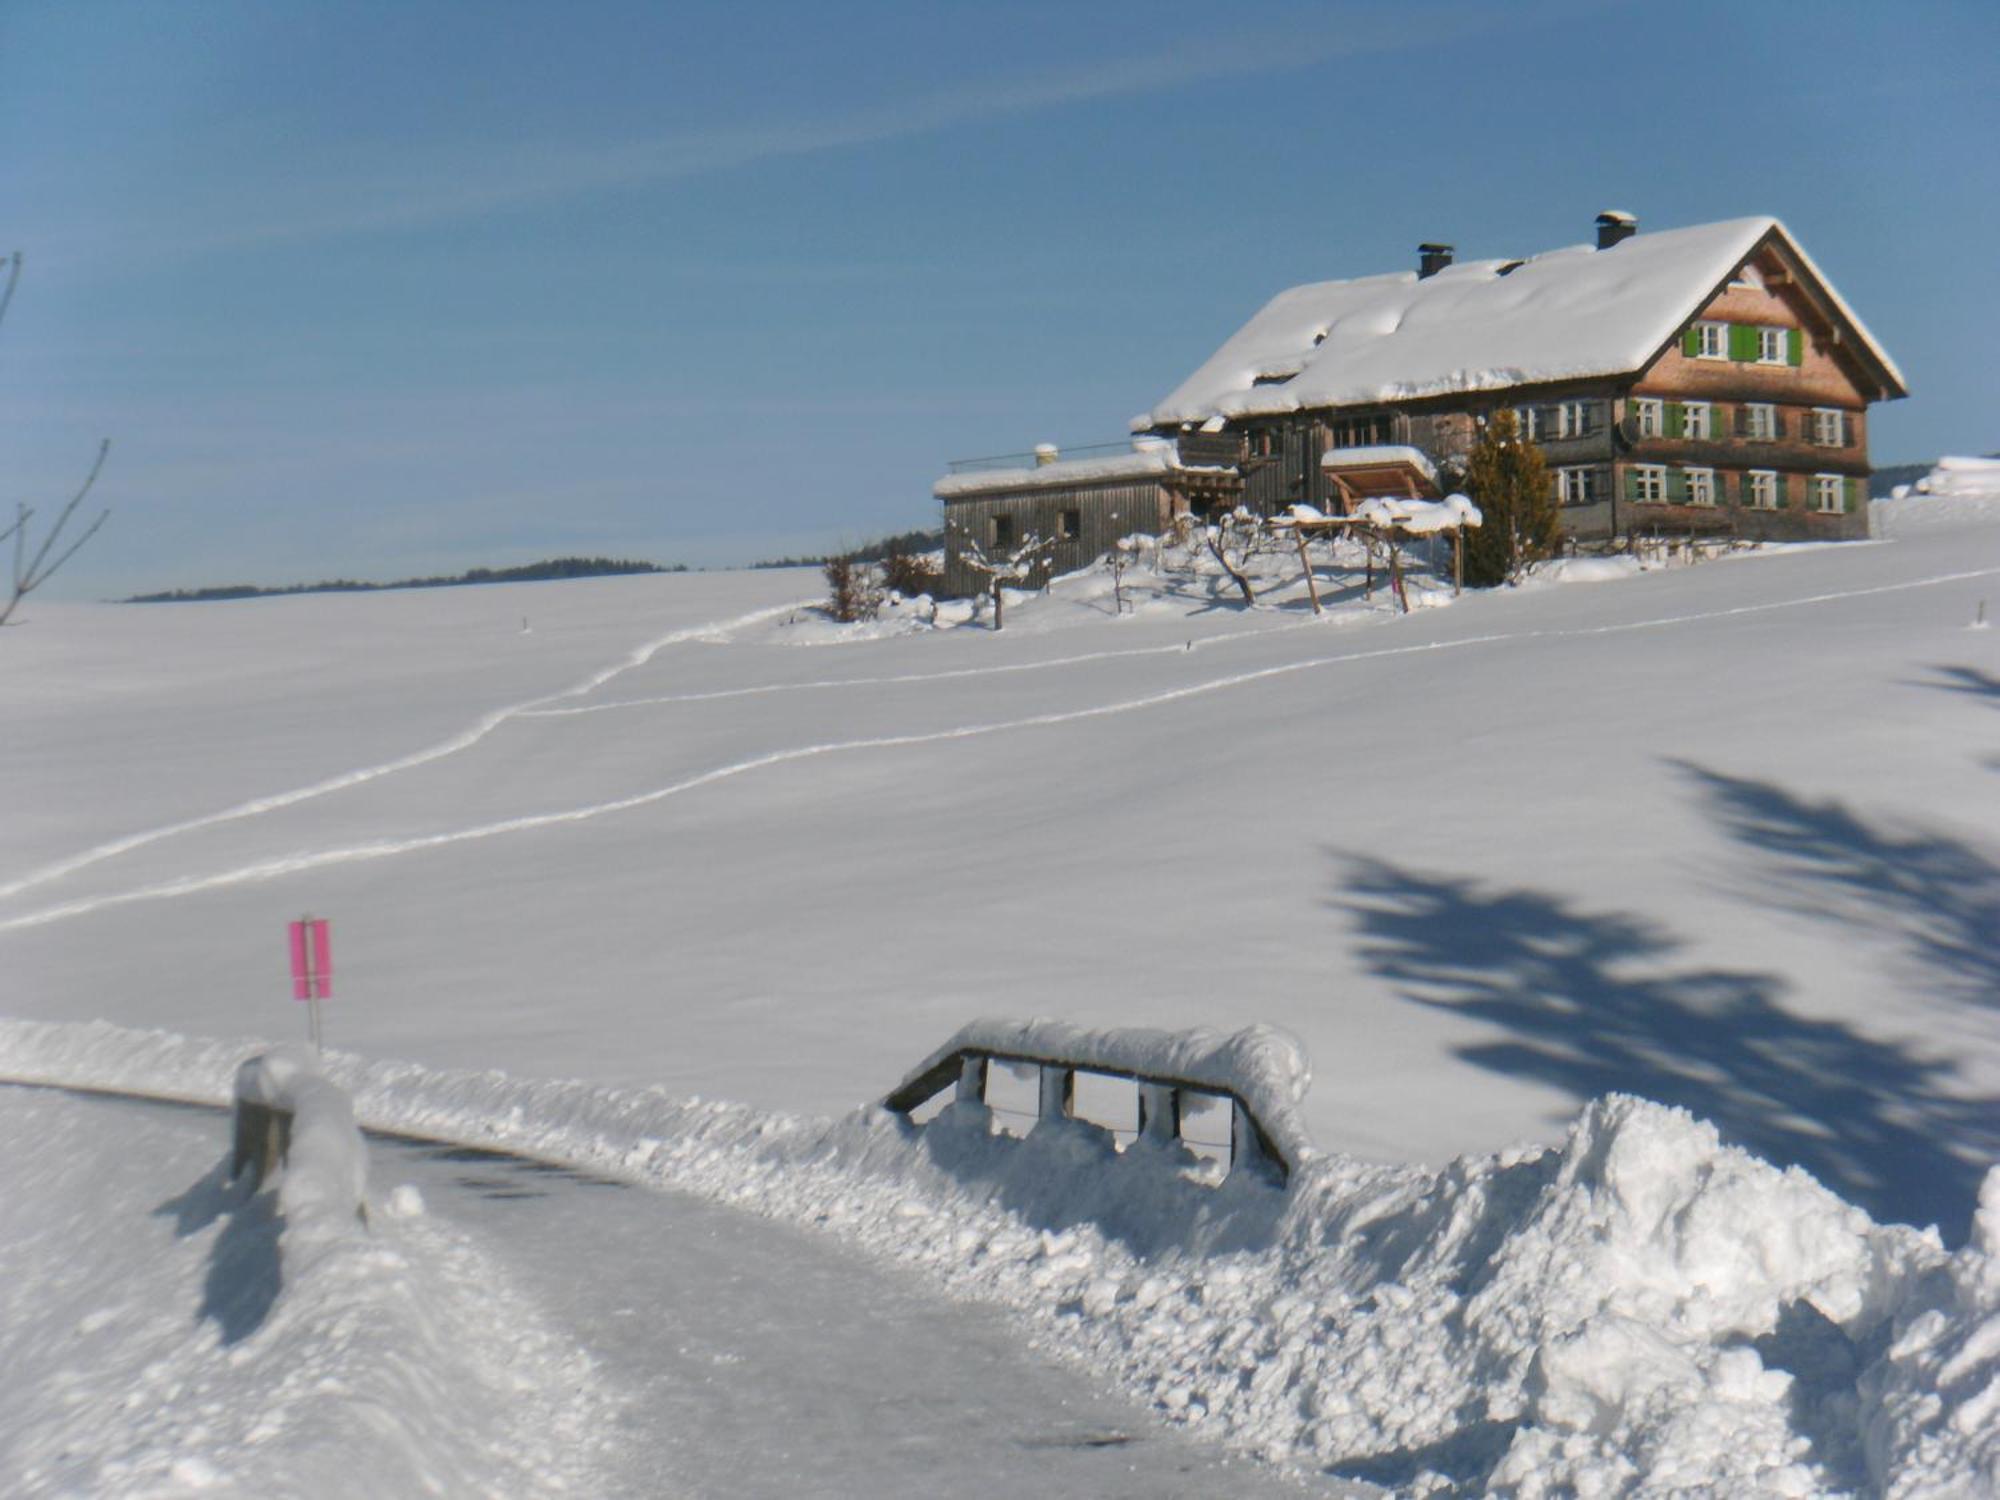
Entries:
{"x":1706,"y":379}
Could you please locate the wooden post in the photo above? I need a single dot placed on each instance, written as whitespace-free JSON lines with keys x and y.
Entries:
{"x":1305,"y":563}
{"x":971,"y":1081}
{"x":1058,"y":1092}
{"x":1159,"y":1113}
{"x":1457,"y":559}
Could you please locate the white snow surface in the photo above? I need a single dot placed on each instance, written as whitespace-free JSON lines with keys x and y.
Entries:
{"x":1638,"y":1310}
{"x":1722,"y":835}
{"x":1476,"y":325}
{"x":325,"y":1177}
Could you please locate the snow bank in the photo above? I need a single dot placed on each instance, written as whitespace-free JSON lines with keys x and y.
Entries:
{"x":269,"y":1342}
{"x":1641,"y":1310}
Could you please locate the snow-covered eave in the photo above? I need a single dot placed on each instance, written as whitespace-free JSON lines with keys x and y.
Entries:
{"x":1274,"y":401}
{"x":1377,"y":456}
{"x":1068,"y":474}
{"x":1900,"y":387}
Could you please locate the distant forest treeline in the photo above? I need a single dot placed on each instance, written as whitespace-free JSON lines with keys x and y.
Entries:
{"x":903,"y":541}
{"x":557,"y":567}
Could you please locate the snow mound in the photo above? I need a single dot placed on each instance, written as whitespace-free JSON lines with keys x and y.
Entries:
{"x":1972,"y":477}
{"x":1642,"y":1310}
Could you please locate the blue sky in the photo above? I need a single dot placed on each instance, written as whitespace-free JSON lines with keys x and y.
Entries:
{"x":371,"y":290}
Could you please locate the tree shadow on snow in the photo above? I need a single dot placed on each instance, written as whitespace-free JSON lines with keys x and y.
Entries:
{"x":244,"y":1276}
{"x":1934,"y":897}
{"x":1968,"y":680}
{"x":1587,"y":1002}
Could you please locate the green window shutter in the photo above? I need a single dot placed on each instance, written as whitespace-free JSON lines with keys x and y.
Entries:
{"x":1674,"y":419}
{"x":1852,"y":497}
{"x":1691,"y":341}
{"x":1718,"y":421}
{"x":1631,"y":484}
{"x":1677,"y":487}
{"x":1795,"y":347}
{"x":1743,"y":342}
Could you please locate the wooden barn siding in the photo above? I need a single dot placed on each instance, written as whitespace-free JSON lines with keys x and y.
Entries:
{"x":1109,"y":511}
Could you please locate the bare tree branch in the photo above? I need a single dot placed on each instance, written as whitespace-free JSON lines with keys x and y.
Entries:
{"x":31,"y":573}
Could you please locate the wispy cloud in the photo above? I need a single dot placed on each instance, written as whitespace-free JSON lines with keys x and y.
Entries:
{"x":416,"y":191}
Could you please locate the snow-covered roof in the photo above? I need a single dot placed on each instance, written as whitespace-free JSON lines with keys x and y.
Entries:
{"x":1151,"y":458}
{"x":1572,"y":313}
{"x":1379,"y":456}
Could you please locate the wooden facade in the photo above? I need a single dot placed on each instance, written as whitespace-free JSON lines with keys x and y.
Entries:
{"x":1084,"y":516}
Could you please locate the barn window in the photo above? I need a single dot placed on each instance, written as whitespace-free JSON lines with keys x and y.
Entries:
{"x":1003,"y":531}
{"x":1068,"y":523}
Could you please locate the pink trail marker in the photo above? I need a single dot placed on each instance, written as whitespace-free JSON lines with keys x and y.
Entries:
{"x":312,"y":965}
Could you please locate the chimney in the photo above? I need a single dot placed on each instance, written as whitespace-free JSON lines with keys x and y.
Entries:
{"x":1614,"y":225}
{"x":1432,"y":259}
{"x":1046,"y":453}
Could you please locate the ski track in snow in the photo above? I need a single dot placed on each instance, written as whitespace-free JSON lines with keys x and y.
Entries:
{"x":292,"y":864}
{"x":464,"y":740}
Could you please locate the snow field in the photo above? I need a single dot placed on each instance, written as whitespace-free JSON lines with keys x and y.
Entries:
{"x":1639,"y":1310}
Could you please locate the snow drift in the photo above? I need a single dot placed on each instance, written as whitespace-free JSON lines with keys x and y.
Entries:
{"x":326,"y":1354}
{"x":1639,"y":1310}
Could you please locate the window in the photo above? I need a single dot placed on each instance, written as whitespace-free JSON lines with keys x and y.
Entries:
{"x":1649,"y":482}
{"x":1760,"y":422}
{"x":1575,"y":419}
{"x":1771,"y":346}
{"x":1829,"y":427}
{"x":1579,"y":486}
{"x":1528,"y":419}
{"x":1694,"y":420}
{"x":1647,"y":417}
{"x":1003,"y":531}
{"x":1764,"y":490}
{"x":1701,"y":486}
{"x":1068,"y":523}
{"x":1710,"y":341}
{"x":1829,"y":494}
{"x":1364,"y":432}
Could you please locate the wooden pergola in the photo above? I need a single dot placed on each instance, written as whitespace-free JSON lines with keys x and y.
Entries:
{"x":1361,"y":476}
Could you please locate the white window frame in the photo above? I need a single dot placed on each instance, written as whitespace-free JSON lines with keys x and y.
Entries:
{"x":1773,"y":336}
{"x":1830,"y":487}
{"x":1697,"y":411}
{"x":1711,"y":339}
{"x":1525,"y":422}
{"x":1574,"y":484}
{"x":1827,"y":424}
{"x":1649,"y":415}
{"x":1700,"y":486}
{"x":1573,"y":418}
{"x":1760,"y":422}
{"x":1649,"y":477}
{"x":1763,"y":485}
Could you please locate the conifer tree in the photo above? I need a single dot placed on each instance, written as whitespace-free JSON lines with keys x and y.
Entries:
{"x":1509,"y":482}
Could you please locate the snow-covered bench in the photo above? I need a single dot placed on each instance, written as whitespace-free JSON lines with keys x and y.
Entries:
{"x":1260,"y":1070}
